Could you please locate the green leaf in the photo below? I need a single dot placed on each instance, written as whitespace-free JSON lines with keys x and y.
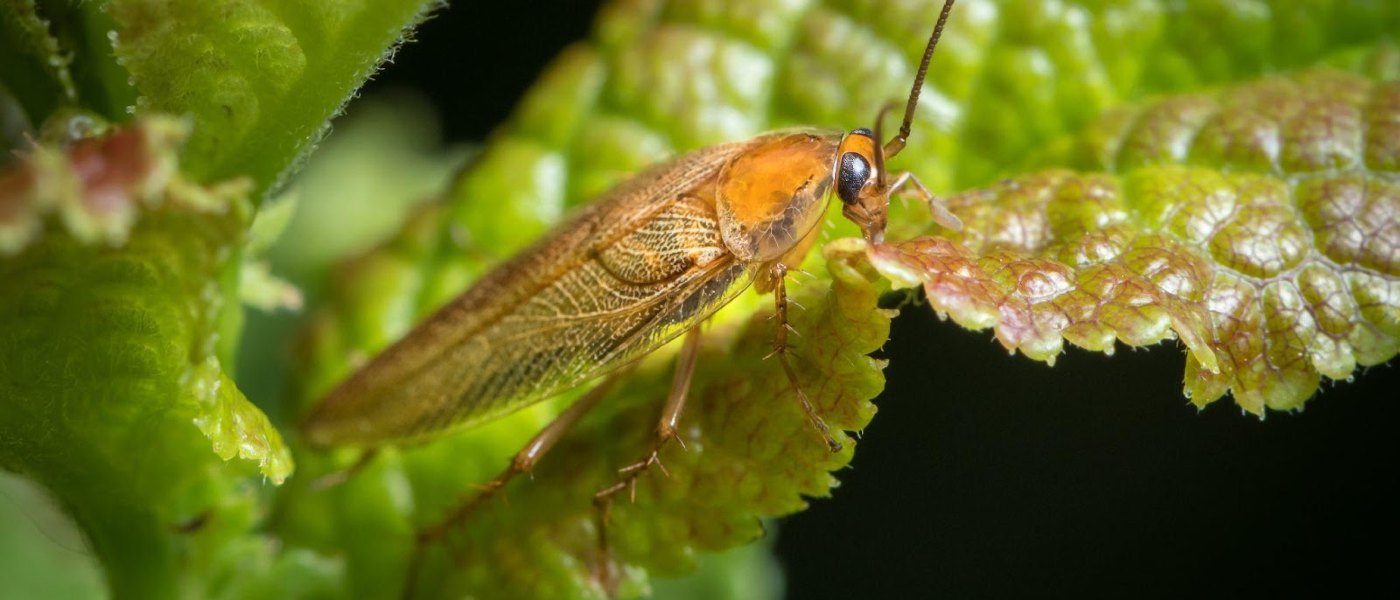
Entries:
{"x":1046,"y":69}
{"x":112,"y":394}
{"x":128,"y":293}
{"x":1258,"y":225}
{"x":260,"y":79}
{"x":655,"y":80}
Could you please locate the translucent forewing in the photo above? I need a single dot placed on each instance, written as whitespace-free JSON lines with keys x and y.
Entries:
{"x":629,"y":273}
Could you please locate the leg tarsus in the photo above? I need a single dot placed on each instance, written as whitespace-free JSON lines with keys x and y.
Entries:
{"x":941,"y":214}
{"x":603,"y":571}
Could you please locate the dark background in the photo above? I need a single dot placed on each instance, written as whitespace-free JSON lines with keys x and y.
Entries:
{"x":989,"y":475}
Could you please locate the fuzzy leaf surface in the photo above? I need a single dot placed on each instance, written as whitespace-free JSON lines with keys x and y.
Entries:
{"x":112,"y":394}
{"x":261,"y":78}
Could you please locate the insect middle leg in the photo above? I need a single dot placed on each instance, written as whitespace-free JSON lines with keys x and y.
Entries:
{"x":782,"y":328}
{"x":666,"y":427}
{"x":666,"y":430}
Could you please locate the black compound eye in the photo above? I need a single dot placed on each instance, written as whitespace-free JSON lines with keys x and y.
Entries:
{"x":855,"y":171}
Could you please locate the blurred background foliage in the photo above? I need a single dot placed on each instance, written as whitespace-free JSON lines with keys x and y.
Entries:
{"x":971,"y":481}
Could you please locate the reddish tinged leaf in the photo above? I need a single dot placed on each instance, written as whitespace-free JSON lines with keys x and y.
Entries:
{"x":1260,"y":226}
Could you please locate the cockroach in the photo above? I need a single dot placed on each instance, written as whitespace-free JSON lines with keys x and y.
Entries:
{"x":647,"y":263}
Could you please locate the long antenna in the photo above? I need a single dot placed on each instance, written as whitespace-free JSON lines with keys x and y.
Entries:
{"x":897,"y":144}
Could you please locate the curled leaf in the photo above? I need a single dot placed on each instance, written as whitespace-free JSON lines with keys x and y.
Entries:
{"x":112,"y":316}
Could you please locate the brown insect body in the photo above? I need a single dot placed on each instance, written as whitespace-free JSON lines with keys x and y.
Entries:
{"x":629,"y":273}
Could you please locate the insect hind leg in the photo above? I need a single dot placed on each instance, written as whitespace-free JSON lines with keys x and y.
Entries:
{"x":524,"y":461}
{"x":336,"y":478}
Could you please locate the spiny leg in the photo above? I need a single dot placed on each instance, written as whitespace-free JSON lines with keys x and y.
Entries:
{"x":941,"y":214}
{"x":780,"y":349}
{"x":523,"y":462}
{"x":670,"y":418}
{"x":665,"y":432}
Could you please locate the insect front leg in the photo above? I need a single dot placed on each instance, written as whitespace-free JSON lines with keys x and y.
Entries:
{"x":782,"y":328}
{"x":941,"y":214}
{"x":524,"y":461}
